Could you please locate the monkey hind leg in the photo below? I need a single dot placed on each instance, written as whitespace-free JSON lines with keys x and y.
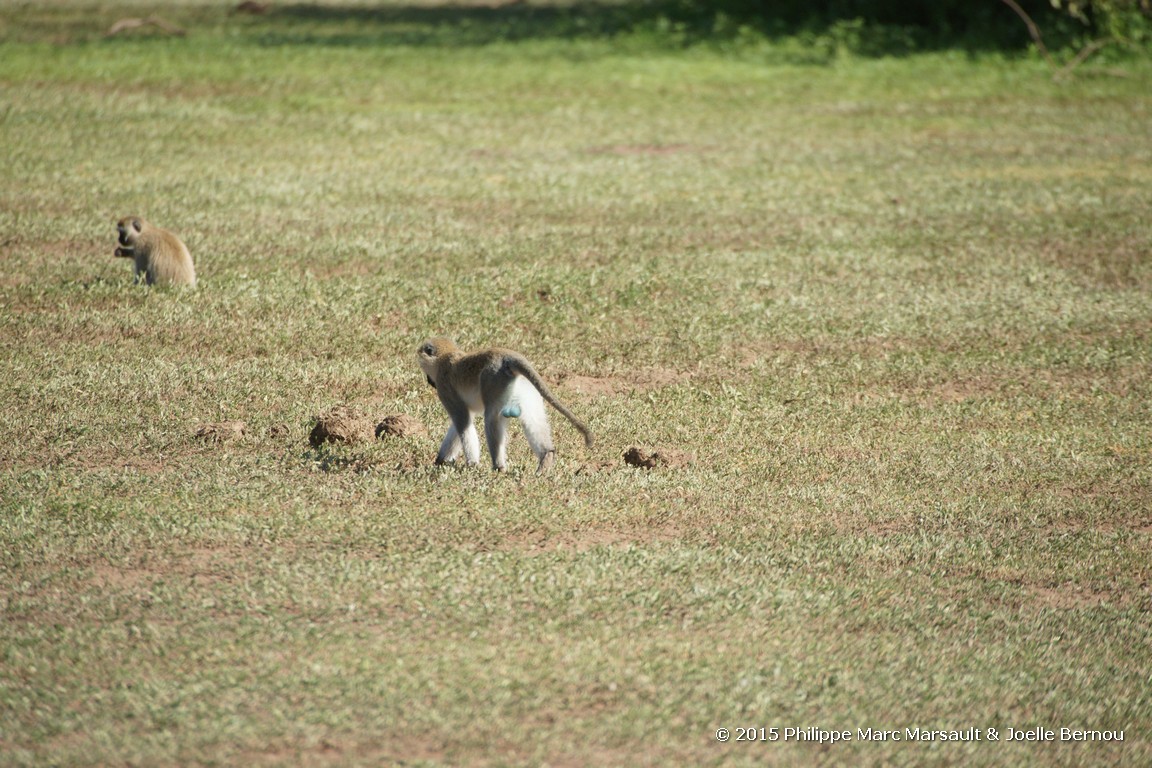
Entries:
{"x":143,"y":268}
{"x":496,"y":431}
{"x":534,"y":420}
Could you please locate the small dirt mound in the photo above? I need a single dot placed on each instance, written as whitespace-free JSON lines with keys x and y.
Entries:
{"x":341,"y":425}
{"x":651,"y":458}
{"x":400,"y":425}
{"x":221,"y":432}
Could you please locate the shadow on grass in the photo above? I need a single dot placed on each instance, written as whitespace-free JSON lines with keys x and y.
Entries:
{"x":860,"y":27}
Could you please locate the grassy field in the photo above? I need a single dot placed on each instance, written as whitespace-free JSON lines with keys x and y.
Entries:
{"x":890,"y":317}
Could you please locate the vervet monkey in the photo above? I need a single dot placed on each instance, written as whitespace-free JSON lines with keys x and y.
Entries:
{"x":161,"y":259}
{"x":499,"y":384}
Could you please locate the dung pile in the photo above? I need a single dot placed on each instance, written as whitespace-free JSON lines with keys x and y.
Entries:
{"x":651,"y":458}
{"x":400,"y":425}
{"x":341,"y":425}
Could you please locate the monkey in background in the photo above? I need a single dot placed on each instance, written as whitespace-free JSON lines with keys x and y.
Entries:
{"x":160,"y":257}
{"x":501,"y":385}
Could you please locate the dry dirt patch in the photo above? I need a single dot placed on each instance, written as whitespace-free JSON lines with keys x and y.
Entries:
{"x":537,"y":541}
{"x":1105,"y":261}
{"x":221,"y":432}
{"x":642,"y":149}
{"x":1070,"y":597}
{"x":641,"y":381}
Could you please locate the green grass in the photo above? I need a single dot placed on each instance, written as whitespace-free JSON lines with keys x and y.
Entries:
{"x":897,"y":310}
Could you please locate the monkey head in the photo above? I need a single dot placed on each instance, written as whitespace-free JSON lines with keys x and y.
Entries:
{"x":128,"y":229}
{"x":429,"y":352}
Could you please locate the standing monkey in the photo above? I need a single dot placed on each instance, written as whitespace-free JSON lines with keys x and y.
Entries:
{"x":161,"y":259}
{"x":501,"y":385}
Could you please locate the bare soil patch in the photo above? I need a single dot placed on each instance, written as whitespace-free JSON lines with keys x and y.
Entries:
{"x":642,"y":381}
{"x":1107,"y":263}
{"x":538,"y":541}
{"x":221,"y":432}
{"x":643,"y":149}
{"x":340,"y":749}
{"x":595,"y":467}
{"x":1071,"y":596}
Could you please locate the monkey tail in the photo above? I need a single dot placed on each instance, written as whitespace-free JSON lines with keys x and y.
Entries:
{"x":527,"y":371}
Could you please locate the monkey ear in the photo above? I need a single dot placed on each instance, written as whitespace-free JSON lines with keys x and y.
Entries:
{"x":136,"y":225}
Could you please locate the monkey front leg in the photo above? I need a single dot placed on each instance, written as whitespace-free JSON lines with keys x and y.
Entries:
{"x":454,"y":442}
{"x":450,"y":448}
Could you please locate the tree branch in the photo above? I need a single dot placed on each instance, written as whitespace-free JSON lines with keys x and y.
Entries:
{"x":1033,"y":30}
